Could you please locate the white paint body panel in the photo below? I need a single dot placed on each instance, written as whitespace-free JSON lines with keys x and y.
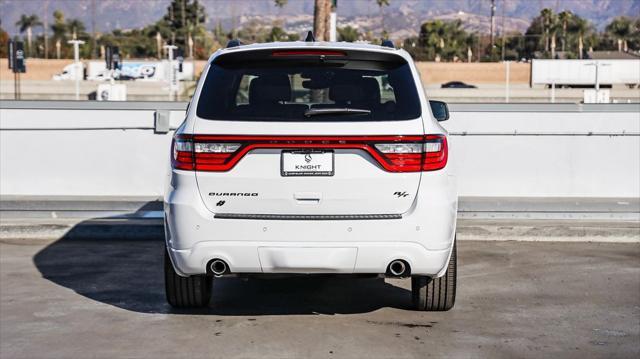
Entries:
{"x":423,"y":236}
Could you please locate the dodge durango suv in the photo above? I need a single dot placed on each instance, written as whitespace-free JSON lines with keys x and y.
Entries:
{"x":311,"y":158}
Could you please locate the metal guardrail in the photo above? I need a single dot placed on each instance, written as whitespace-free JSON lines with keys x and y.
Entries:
{"x":93,"y":105}
{"x":454,"y":107}
{"x":162,"y":111}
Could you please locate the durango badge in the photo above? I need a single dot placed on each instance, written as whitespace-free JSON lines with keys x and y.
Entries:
{"x":233,"y":194}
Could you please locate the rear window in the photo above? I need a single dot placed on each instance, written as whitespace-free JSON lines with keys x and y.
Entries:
{"x":258,"y":86}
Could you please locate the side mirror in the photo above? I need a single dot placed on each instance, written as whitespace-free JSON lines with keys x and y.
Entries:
{"x":440,"y":110}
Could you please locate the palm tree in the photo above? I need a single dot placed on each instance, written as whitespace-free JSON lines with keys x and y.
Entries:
{"x":27,"y":23}
{"x":320,"y":19}
{"x":564,"y":18}
{"x":620,"y":28}
{"x":381,"y":5}
{"x":554,"y":27}
{"x":546,"y":15}
{"x":59,"y":29}
{"x":76,"y":27}
{"x":581,"y":28}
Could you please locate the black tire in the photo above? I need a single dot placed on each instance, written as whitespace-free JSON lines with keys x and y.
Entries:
{"x":185,"y":292}
{"x":436,"y":294}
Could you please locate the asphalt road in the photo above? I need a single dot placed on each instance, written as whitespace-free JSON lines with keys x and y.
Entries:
{"x":76,"y":298}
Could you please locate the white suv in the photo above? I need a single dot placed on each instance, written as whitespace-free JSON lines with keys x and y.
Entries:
{"x":311,"y":157}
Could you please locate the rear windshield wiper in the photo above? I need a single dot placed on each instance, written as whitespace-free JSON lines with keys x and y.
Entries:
{"x":335,"y":111}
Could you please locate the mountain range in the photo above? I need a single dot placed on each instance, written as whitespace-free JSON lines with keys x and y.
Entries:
{"x":401,"y":18}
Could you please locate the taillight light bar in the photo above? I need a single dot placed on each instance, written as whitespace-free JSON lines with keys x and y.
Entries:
{"x":214,"y":153}
{"x":284,"y":53}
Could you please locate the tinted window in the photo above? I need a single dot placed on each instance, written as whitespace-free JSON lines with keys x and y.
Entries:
{"x":286,"y":89}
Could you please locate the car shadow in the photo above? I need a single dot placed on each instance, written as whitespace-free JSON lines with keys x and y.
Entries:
{"x":120,"y":263}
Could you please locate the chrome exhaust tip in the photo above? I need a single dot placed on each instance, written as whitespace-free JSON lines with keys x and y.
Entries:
{"x":398,"y":268}
{"x":218,"y":267}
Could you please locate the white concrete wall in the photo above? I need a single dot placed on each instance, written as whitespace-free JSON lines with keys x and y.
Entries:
{"x":546,"y":154}
{"x":54,"y":149}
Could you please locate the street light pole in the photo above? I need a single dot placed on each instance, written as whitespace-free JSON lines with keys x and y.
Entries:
{"x":173,"y":80}
{"x":77,"y":66}
{"x":597,"y":65}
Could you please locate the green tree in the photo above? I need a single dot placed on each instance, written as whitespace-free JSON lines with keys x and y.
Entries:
{"x":634,"y":41}
{"x":27,"y":23}
{"x":581,"y":29}
{"x":576,"y":35}
{"x":440,"y":39}
{"x":4,"y":39}
{"x":219,"y":35}
{"x":564,"y":18}
{"x":278,"y":34}
{"x":547,"y":16}
{"x":59,"y":29}
{"x":348,"y":34}
{"x":253,"y":32}
{"x":76,"y":28}
{"x":184,"y":18}
{"x":621,"y":29}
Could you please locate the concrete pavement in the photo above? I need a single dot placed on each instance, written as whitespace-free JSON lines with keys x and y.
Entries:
{"x":73,"y":298}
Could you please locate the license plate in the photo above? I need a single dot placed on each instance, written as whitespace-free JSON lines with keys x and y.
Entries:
{"x":307,"y":163}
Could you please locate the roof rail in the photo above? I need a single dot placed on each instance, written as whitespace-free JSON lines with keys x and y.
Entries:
{"x":387,"y":43}
{"x":310,"y":37}
{"x":233,"y":43}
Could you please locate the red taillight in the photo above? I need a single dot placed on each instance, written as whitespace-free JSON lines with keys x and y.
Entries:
{"x":213,"y":153}
{"x":428,"y":154}
{"x":182,"y":153}
{"x":435,"y":152}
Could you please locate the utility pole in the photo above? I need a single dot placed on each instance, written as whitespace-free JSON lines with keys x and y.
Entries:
{"x":94,"y":44}
{"x":172,"y":18}
{"x":77,"y":66}
{"x":46,"y":26}
{"x":503,"y":31}
{"x":184,"y":24}
{"x":507,"y":81}
{"x":193,"y":58}
{"x":493,"y":21}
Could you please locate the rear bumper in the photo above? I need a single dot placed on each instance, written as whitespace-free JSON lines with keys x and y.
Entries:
{"x":422,"y":237}
{"x":309,"y":257}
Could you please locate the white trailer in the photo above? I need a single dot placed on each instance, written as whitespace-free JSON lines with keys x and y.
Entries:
{"x":139,"y":70}
{"x":585,"y":73}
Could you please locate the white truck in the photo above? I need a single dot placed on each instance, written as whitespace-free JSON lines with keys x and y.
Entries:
{"x":71,"y":72}
{"x":129,"y":70}
{"x":585,"y":73}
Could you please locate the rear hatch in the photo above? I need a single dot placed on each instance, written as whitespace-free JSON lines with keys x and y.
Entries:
{"x":308,"y":132}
